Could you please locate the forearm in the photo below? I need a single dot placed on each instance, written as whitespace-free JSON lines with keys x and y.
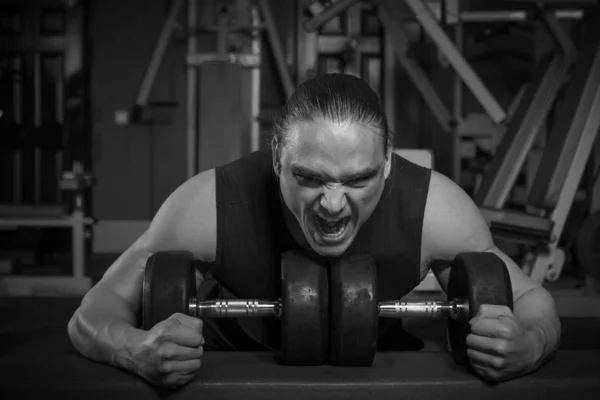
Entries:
{"x":104,"y":330}
{"x":536,"y":312}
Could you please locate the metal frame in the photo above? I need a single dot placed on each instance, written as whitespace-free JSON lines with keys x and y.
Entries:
{"x":416,"y":73}
{"x":71,"y":100}
{"x":76,"y":284}
{"x":453,"y":55}
{"x":192,"y":95}
{"x":157,"y":56}
{"x":277,"y":48}
{"x":585,"y":126}
{"x":335,"y":9}
{"x":262,"y":19}
{"x":521,"y":133}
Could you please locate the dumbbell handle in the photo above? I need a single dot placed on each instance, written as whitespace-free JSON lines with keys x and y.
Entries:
{"x":226,"y":308}
{"x":455,"y":309}
{"x":234,"y":308}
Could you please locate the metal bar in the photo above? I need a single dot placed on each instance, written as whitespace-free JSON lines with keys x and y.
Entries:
{"x":402,"y":309}
{"x":516,"y":102}
{"x":17,"y":163}
{"x":461,"y":66}
{"x":255,"y":89}
{"x":191,"y":89}
{"x":585,"y":144}
{"x":78,"y":238}
{"x":235,"y":308}
{"x":58,"y":171}
{"x":277,"y":48}
{"x":419,"y":78}
{"x":18,"y":104}
{"x":561,"y":38}
{"x":559,"y":168}
{"x":37,"y":88}
{"x":158,"y":54}
{"x":60,"y":108}
{"x":335,"y":44}
{"x":389,"y":90}
{"x":222,"y":34}
{"x":457,"y":105}
{"x":338,"y":7}
{"x":513,"y":15}
{"x":520,"y":134}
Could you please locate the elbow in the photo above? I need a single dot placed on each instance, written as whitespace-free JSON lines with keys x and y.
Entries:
{"x":75,"y":332}
{"x":79,"y":326}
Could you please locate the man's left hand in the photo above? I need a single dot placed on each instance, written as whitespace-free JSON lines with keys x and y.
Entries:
{"x":499,"y":347}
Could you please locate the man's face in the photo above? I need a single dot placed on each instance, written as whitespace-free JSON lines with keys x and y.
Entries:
{"x":331,"y":178}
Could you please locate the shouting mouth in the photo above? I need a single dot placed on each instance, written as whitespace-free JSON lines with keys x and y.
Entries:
{"x":331,"y":229}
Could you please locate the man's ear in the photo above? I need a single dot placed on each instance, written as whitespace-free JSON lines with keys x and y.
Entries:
{"x":275,"y":155}
{"x":388,"y":162}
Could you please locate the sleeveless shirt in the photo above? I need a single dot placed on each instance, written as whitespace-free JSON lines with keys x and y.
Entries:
{"x":252,"y":235}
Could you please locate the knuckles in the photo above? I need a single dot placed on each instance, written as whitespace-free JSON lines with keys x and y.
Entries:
{"x":502,"y":347}
{"x":498,"y":363}
{"x":506,"y":331}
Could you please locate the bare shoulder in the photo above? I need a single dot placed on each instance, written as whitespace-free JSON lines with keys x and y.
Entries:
{"x":452,"y":222}
{"x":187,"y":219}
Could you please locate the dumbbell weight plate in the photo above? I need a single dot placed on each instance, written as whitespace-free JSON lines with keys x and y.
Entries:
{"x":305,"y":310}
{"x":169,"y":284}
{"x":476,"y":278}
{"x":354,"y":311}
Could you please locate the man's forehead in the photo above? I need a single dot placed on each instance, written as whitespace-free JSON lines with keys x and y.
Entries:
{"x":322,"y":131}
{"x":324,"y":139}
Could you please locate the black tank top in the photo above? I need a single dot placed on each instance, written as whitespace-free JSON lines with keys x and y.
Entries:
{"x":252,"y":234}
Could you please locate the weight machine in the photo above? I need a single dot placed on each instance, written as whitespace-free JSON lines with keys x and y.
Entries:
{"x":43,"y":132}
{"x":237,"y":24}
{"x":551,"y":194}
{"x":559,"y":173}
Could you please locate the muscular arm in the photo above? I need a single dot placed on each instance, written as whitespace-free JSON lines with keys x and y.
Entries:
{"x":105,"y":326}
{"x":453,"y":224}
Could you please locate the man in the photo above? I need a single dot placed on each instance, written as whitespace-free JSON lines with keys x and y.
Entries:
{"x":331,"y":185}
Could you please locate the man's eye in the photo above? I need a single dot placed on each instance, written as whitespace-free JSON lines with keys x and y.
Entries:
{"x":358,"y":182}
{"x":308,"y":181}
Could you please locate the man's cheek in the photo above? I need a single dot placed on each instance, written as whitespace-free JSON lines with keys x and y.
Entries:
{"x":367,"y":198}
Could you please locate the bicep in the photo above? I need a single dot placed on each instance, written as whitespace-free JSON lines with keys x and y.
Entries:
{"x":185,"y":221}
{"x":453,"y":224}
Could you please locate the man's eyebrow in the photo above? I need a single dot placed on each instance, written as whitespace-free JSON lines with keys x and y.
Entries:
{"x":309,"y":173}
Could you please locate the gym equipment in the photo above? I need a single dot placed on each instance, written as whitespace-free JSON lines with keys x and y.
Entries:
{"x":586,"y":246}
{"x":354,"y":311}
{"x":71,"y":214}
{"x":475,"y":279}
{"x":169,"y":287}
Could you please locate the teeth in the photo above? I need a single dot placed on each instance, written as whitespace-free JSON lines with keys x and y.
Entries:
{"x":331,"y":228}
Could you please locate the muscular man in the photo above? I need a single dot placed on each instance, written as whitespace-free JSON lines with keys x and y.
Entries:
{"x":330,"y":184}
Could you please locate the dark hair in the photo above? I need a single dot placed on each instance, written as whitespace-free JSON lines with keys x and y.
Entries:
{"x":333,"y":97}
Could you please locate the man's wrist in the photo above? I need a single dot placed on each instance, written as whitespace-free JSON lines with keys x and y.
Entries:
{"x":128,"y":341}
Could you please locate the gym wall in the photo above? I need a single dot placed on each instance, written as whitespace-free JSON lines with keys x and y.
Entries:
{"x":137,"y":166}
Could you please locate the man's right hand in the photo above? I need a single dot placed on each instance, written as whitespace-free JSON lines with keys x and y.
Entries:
{"x":170,"y":355}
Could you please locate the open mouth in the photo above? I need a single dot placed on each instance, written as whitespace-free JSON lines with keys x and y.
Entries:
{"x":331,"y":229}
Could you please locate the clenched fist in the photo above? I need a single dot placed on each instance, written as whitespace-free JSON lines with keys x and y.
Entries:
{"x":499,"y":347}
{"x":170,"y":355}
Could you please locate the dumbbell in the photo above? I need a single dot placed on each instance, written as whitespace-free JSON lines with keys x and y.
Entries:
{"x":475,"y":279}
{"x":169,"y":287}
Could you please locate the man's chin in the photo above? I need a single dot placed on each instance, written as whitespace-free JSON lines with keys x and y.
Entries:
{"x":327,"y":251}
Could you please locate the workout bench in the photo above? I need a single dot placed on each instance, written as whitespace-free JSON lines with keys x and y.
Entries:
{"x":15,"y":217}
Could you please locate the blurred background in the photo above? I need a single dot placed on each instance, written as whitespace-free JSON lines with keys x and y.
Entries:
{"x":107,"y":106}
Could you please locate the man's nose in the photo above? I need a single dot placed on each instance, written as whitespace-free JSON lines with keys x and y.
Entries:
{"x":333,"y":200}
